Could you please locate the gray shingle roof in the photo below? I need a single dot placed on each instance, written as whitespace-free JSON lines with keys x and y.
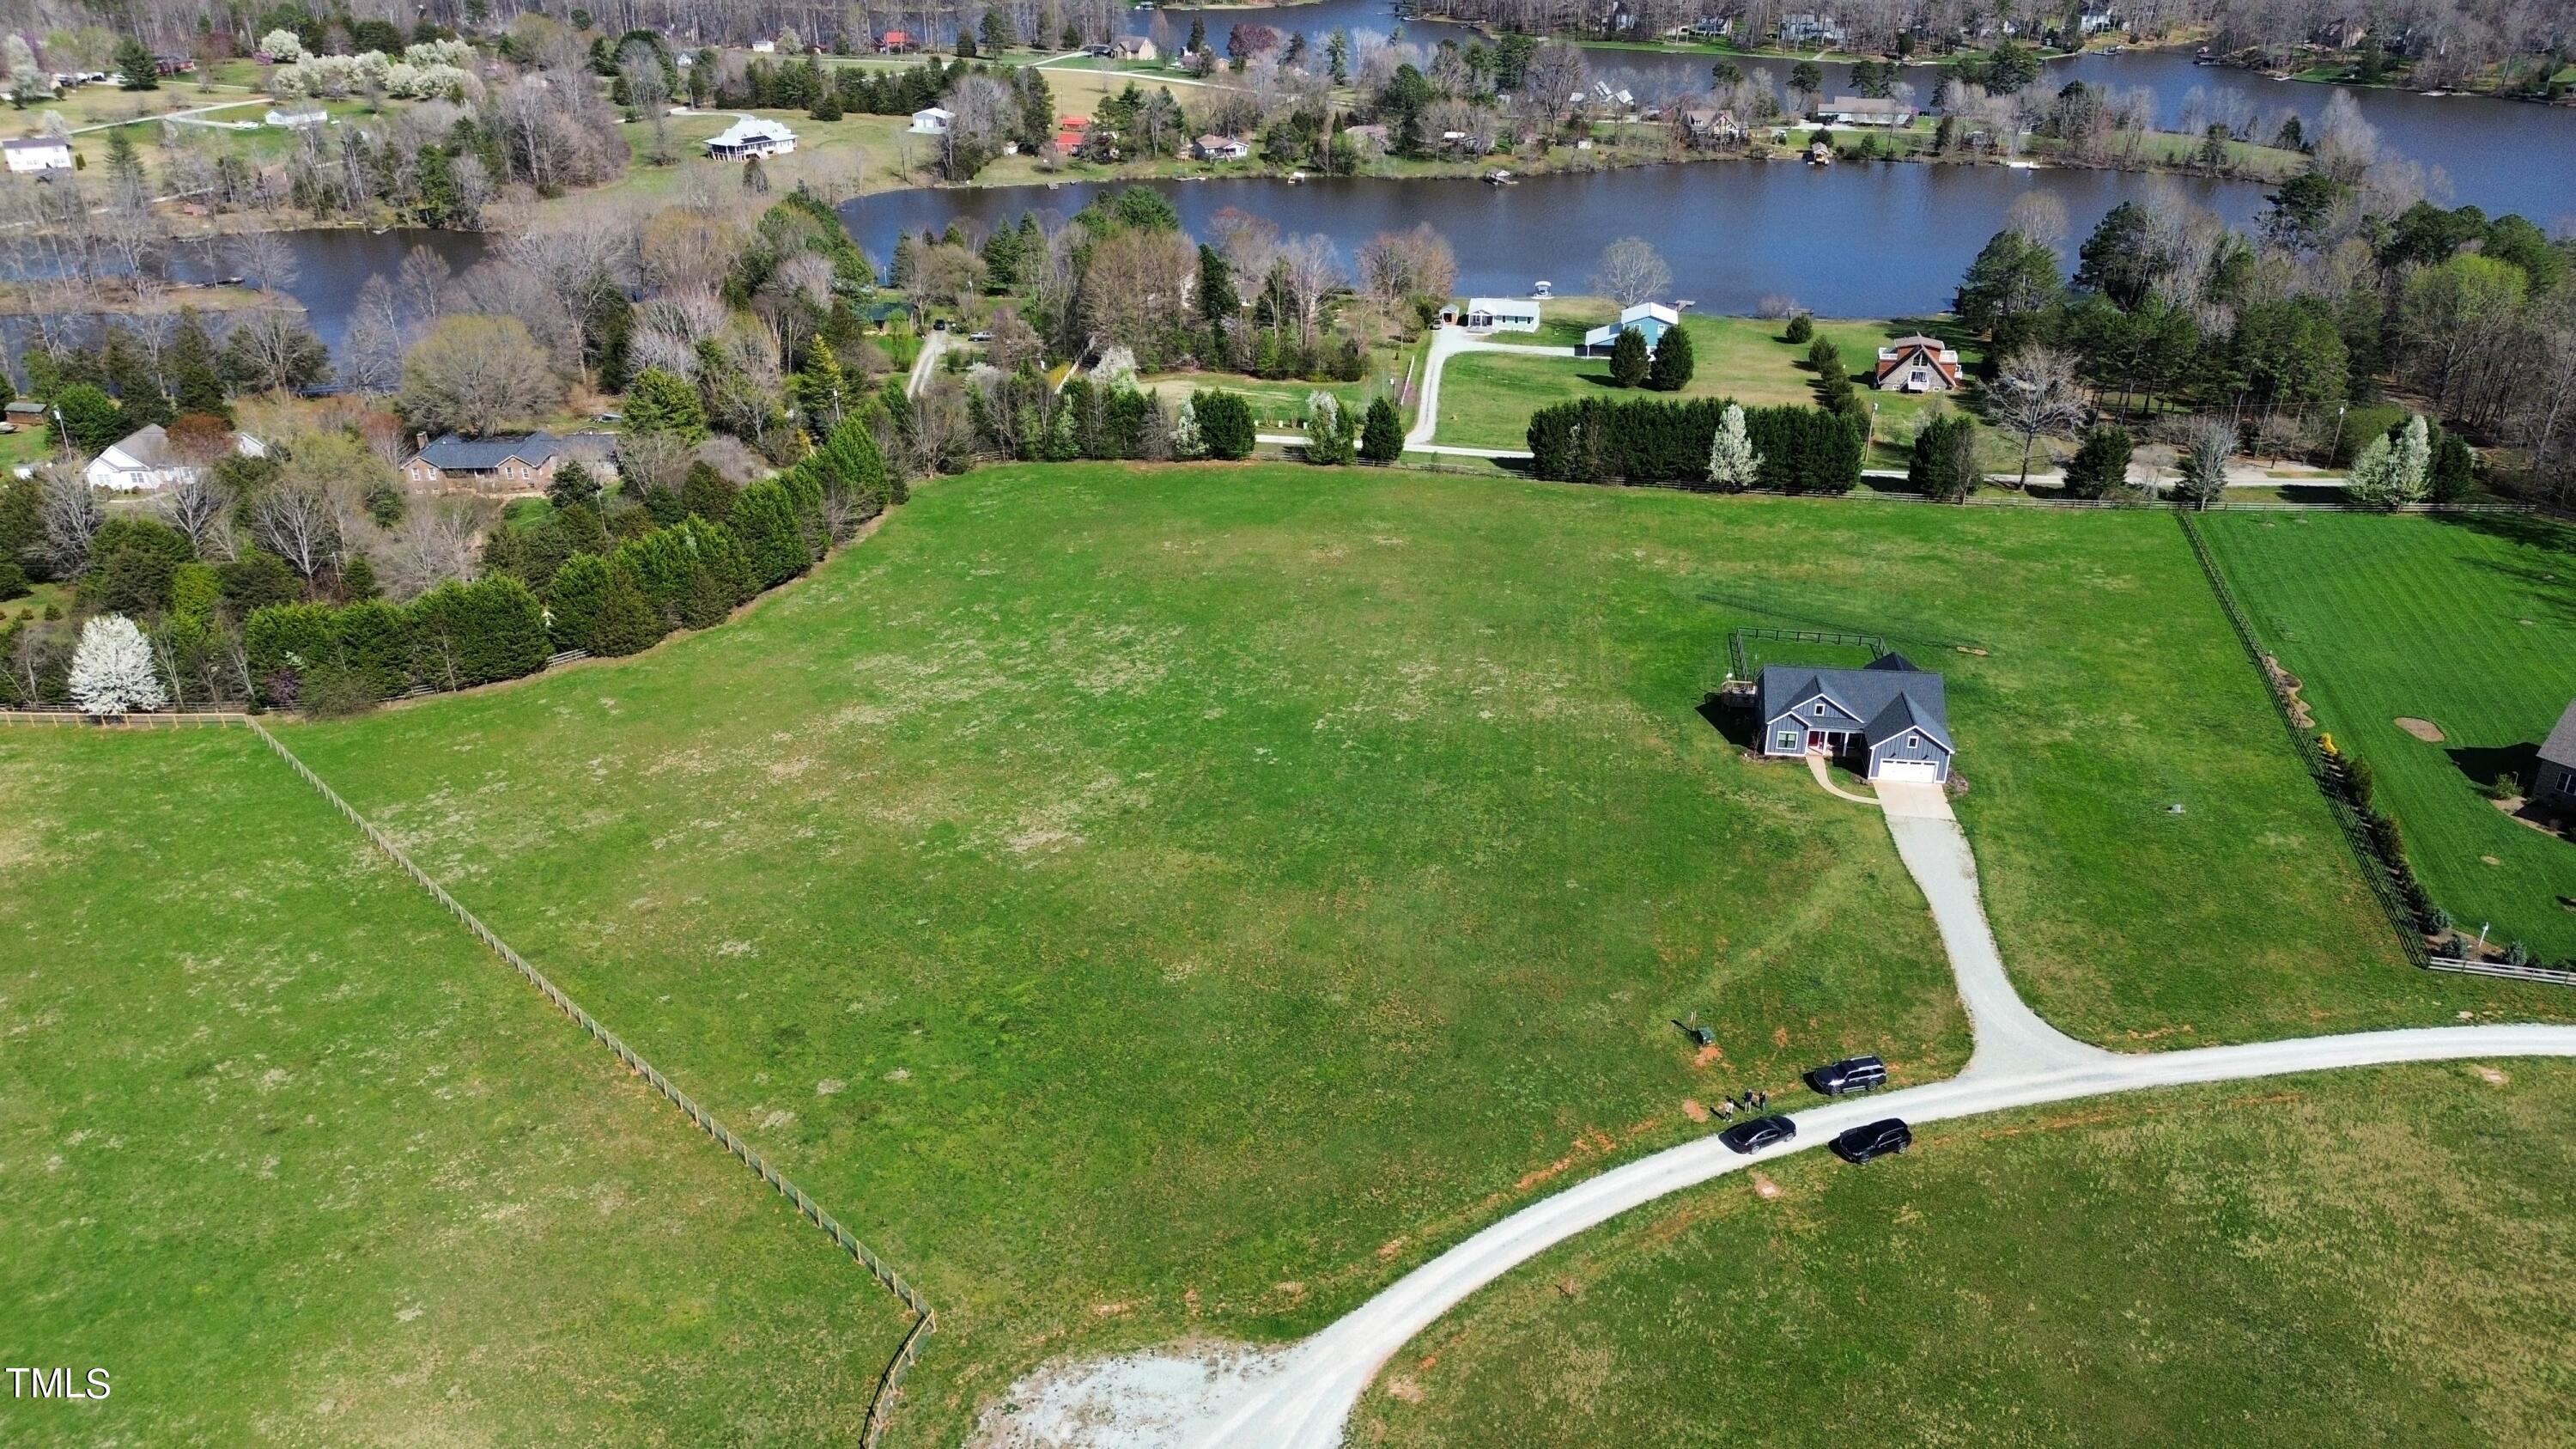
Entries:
{"x":2560,"y":747}
{"x":1890,"y":696}
{"x":455,"y":454}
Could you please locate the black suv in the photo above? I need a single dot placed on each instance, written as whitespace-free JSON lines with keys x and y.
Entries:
{"x":1759,"y":1133}
{"x":1877,"y":1139}
{"x":1852,"y":1074}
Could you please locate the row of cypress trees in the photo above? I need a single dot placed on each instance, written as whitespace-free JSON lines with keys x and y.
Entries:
{"x":1650,"y":440}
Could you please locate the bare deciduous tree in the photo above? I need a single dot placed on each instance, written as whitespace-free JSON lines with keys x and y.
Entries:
{"x":2036,"y":393}
{"x":476,"y":373}
{"x":1632,"y":271}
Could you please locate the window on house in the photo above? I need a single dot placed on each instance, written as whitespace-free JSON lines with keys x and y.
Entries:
{"x":1820,"y":709}
{"x":1788,"y":740}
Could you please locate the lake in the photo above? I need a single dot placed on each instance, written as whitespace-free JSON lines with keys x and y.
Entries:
{"x":1855,"y":239}
{"x":2502,"y":155}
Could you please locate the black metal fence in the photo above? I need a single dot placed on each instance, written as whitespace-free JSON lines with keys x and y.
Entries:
{"x":2382,"y":874}
{"x":1740,"y":658}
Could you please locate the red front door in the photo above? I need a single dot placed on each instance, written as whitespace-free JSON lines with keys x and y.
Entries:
{"x":1815,"y":739}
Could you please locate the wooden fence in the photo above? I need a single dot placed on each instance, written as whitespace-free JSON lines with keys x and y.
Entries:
{"x":2550,"y":974}
{"x":890,"y":1384}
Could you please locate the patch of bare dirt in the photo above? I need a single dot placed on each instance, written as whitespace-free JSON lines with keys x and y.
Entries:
{"x":2422,"y":729}
{"x":1151,"y":1400}
{"x":2287,"y":685}
{"x":2530,"y":817}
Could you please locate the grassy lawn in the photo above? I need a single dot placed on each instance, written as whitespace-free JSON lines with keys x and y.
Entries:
{"x":1118,"y":891}
{"x":1486,"y":398}
{"x":296,"y":1160}
{"x":2369,"y":1257}
{"x":1147,"y":900}
{"x":2464,"y":622}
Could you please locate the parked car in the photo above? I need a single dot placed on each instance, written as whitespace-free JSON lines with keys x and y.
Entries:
{"x":979,"y":336}
{"x":612,"y":417}
{"x":1876,"y":1139}
{"x":1851,"y":1074}
{"x":939,"y":324}
{"x":1759,"y":1133}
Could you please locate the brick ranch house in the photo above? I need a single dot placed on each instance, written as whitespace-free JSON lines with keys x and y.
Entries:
{"x":505,"y":463}
{"x":1888,"y":718}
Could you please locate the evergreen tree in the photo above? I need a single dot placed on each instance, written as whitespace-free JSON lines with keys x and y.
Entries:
{"x":1628,"y":361}
{"x":764,"y":518}
{"x":1942,"y":464}
{"x":706,"y":493}
{"x":572,"y":484}
{"x":135,"y":70}
{"x":358,"y":579}
{"x":196,"y":382}
{"x":1802,"y":328}
{"x":662,"y":401}
{"x":818,"y":386}
{"x":2100,"y":464}
{"x":2454,"y":474}
{"x":1224,"y":424}
{"x":87,"y":418}
{"x":1218,"y":301}
{"x":625,"y":622}
{"x":1381,"y":437}
{"x":138,"y":393}
{"x":1673,"y":365}
{"x":1198,"y":32}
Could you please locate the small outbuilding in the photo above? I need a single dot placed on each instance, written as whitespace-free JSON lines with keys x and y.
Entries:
{"x":1888,"y":719}
{"x":933,"y":121}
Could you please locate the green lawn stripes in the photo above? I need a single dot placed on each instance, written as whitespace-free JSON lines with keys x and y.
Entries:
{"x":2468,"y":622}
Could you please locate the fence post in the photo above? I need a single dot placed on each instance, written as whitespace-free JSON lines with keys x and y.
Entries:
{"x":889,"y":1384}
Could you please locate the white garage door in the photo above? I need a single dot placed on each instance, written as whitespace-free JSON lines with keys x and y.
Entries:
{"x":1908,"y":770}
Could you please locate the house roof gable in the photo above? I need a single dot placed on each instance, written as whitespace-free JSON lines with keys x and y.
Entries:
{"x":1889,"y":696}
{"x":2560,"y":747}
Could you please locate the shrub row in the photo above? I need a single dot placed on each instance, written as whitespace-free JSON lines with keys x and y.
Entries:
{"x":1647,"y":440}
{"x":453,"y":637}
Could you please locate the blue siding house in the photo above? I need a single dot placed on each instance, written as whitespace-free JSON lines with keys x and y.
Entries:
{"x":1889,"y":719}
{"x":1649,"y":319}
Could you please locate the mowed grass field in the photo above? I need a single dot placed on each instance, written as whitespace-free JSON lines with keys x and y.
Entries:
{"x":1144,"y":901}
{"x":2377,"y":1256}
{"x":296,"y":1161}
{"x":1147,"y":901}
{"x":2467,"y":622}
{"x":1486,"y":398}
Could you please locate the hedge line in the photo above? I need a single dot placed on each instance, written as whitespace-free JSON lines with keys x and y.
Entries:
{"x":1648,"y":440}
{"x":686,"y":575}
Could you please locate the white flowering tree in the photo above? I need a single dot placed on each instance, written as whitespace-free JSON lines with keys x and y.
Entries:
{"x":1732,"y":463}
{"x":282,"y":45}
{"x":112,"y":669}
{"x":1186,"y":442}
{"x":2389,"y":475}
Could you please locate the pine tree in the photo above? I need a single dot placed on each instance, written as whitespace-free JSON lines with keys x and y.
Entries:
{"x":2100,"y":464}
{"x":1381,"y":437}
{"x":572,"y":484}
{"x":134,"y":68}
{"x":196,"y":383}
{"x":1732,"y":463}
{"x":625,"y":622}
{"x":662,"y":401}
{"x":1628,"y":361}
{"x":818,"y":386}
{"x":1673,"y":364}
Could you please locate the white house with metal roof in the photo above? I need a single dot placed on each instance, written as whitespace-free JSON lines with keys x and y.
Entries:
{"x":750,"y":136}
{"x":38,"y":153}
{"x":1888,"y":718}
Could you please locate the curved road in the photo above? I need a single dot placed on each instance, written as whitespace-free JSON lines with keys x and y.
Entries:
{"x":2019,"y":1061}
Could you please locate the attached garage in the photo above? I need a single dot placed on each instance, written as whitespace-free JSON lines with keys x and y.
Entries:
{"x":1927,"y":771}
